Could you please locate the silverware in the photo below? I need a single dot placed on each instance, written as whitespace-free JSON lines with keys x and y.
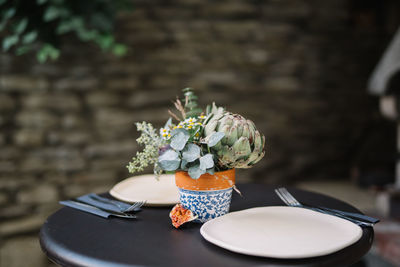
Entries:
{"x":354,"y":215}
{"x":357,"y":216}
{"x":135,"y":207}
{"x":94,"y":210}
{"x":289,"y":200}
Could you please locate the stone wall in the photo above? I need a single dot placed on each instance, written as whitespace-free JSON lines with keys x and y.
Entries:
{"x":298,"y":69}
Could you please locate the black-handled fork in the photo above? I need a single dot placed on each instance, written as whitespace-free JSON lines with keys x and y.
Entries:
{"x":360,"y":219}
{"x":134,"y":207}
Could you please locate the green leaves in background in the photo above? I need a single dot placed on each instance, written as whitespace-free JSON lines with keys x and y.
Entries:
{"x":38,"y":25}
{"x":21,"y":26}
{"x":119,"y":50}
{"x":29,"y":37}
{"x":9,"y":41}
{"x":52,"y":13}
{"x":47,"y":52}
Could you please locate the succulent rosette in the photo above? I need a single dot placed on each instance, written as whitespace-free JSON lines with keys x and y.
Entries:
{"x":199,"y":144}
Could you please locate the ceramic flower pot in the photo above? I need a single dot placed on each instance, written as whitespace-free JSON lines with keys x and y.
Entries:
{"x":208,"y":196}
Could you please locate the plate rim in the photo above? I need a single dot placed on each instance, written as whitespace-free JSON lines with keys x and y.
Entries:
{"x":235,"y":249}
{"x":118,"y":196}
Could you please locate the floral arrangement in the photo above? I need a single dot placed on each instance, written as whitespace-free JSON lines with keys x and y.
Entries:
{"x":199,"y":141}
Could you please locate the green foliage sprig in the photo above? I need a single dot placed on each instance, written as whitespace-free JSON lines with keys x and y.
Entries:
{"x":191,"y":107}
{"x":152,"y":142}
{"x":38,"y":25}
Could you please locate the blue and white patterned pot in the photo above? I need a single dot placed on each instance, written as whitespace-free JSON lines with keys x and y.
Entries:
{"x":206,"y":205}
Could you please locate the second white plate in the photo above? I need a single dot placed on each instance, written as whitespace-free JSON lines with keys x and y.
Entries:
{"x":161,"y":192}
{"x":281,"y":232}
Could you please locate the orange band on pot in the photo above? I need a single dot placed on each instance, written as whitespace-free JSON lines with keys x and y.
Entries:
{"x":218,"y":181}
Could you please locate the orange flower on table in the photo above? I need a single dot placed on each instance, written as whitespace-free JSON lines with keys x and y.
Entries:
{"x":179,"y":215}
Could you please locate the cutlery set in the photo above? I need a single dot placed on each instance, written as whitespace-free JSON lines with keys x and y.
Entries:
{"x":104,"y":207}
{"x":359,"y":219}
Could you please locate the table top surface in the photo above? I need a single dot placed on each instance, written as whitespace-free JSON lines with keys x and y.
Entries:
{"x":73,"y":238}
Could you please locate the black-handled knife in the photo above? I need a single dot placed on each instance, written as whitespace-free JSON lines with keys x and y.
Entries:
{"x":353,"y":215}
{"x":94,"y":210}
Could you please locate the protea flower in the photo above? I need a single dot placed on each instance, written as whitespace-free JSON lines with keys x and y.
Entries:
{"x":242,"y":146}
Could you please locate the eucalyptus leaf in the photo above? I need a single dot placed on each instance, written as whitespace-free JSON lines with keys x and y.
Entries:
{"x":215,"y":138}
{"x":169,"y":155}
{"x":184,"y":165}
{"x":180,"y":130}
{"x":195,"y":172}
{"x":206,"y":162}
{"x":179,"y":138}
{"x":178,"y":141}
{"x":169,"y":161}
{"x":169,"y":165}
{"x":211,"y":171}
{"x":191,"y":152}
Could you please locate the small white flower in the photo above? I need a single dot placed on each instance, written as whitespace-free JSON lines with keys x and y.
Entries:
{"x":190,"y":120}
{"x":164,"y":131}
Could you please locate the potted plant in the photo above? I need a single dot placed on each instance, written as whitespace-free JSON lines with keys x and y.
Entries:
{"x":203,"y":149}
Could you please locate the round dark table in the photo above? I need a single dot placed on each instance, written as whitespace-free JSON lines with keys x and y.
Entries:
{"x":73,"y":238}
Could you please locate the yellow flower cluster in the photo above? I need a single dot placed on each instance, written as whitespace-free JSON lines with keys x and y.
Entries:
{"x":190,"y":123}
{"x":187,"y":124}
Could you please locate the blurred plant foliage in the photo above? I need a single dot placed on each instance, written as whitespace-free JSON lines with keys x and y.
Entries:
{"x":38,"y":25}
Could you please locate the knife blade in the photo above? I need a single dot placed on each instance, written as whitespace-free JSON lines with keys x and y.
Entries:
{"x":93,"y":210}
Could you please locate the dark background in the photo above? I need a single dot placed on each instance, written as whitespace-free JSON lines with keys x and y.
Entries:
{"x":298,"y":69}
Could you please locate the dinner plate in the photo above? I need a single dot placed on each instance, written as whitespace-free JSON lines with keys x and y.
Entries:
{"x":281,"y":232}
{"x":161,"y":192}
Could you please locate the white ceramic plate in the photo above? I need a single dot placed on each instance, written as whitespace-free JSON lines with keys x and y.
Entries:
{"x":281,"y":232}
{"x":162,"y":192}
